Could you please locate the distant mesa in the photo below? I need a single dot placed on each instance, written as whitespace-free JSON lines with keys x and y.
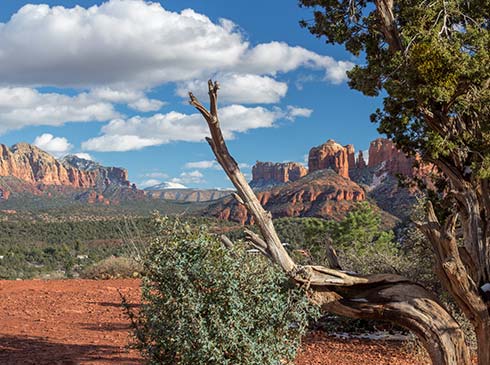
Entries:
{"x":269,"y":174}
{"x":165,"y":186}
{"x":172,"y":191}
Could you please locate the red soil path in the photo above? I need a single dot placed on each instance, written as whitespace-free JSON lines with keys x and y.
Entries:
{"x":70,"y":322}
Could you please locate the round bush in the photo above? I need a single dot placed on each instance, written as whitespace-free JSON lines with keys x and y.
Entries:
{"x":205,"y":304}
{"x":113,"y":268}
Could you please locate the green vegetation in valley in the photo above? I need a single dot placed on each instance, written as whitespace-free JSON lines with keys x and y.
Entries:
{"x":32,"y":248}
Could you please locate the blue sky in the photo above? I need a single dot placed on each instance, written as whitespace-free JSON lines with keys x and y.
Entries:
{"x":109,"y":79}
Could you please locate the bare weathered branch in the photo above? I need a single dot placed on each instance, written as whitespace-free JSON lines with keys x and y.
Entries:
{"x":226,"y":241}
{"x":237,"y":198}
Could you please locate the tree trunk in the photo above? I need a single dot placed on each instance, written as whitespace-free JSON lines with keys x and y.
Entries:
{"x":483,"y":342}
{"x":405,"y":304}
{"x":382,"y":297}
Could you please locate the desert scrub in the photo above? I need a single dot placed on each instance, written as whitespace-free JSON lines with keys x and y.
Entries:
{"x":204,"y":304}
{"x":113,"y":268}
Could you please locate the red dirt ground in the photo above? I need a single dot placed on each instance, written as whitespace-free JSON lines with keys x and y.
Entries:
{"x":68,"y":322}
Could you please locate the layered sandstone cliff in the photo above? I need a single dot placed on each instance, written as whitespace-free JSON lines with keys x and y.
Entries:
{"x":331,"y":155}
{"x":269,"y":173}
{"x":30,"y":164}
{"x":383,"y":152}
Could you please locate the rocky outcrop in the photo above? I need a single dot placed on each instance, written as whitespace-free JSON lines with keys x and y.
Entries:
{"x":360,"y":162}
{"x":384,"y":152}
{"x":269,"y":174}
{"x":377,"y":176}
{"x":92,"y":172}
{"x":320,"y":194}
{"x":27,"y":172}
{"x":331,"y":155}
{"x":351,"y":155}
{"x":32,"y":165}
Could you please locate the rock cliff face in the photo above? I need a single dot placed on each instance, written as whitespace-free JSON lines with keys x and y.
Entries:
{"x":320,"y":194}
{"x":270,"y":174}
{"x":32,"y":165}
{"x":26,"y":170}
{"x":383,"y":152}
{"x":100,"y":175}
{"x":351,"y":155}
{"x":331,"y":155}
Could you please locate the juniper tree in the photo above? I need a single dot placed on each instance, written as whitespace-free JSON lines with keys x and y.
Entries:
{"x":430,"y":60}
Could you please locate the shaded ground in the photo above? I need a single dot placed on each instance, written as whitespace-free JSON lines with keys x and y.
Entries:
{"x":65,"y":322}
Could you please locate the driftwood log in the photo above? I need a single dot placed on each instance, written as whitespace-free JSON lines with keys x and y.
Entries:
{"x":380,"y":297}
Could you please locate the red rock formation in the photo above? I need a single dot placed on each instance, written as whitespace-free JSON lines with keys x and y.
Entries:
{"x":268,"y":173}
{"x":330,"y":155}
{"x":361,"y":162}
{"x":383,"y":152}
{"x":32,"y":165}
{"x":320,"y":194}
{"x":351,"y":155}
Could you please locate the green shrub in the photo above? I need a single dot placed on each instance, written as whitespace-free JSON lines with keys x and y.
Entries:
{"x":112,"y":268}
{"x":204,"y":304}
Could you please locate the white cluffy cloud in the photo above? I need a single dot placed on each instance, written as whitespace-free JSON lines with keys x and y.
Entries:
{"x":293,"y":112}
{"x":109,"y":44}
{"x":138,"y":132}
{"x":156,"y":175}
{"x":239,"y":88}
{"x":110,"y":57}
{"x":21,"y":106}
{"x":135,"y":99}
{"x":148,"y":183}
{"x":114,"y":57}
{"x":57,"y":146}
{"x":193,"y":177}
{"x":212,"y":164}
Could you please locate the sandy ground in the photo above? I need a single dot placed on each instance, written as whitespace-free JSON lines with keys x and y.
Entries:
{"x":82,"y":322}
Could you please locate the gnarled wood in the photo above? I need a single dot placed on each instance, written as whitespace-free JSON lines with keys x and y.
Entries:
{"x":384,"y":297}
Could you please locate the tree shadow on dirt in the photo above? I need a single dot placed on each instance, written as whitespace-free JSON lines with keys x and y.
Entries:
{"x":116,"y":304}
{"x":104,"y":327}
{"x":26,"y":350}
